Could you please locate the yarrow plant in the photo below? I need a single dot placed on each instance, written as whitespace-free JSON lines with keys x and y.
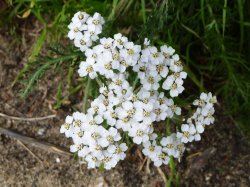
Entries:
{"x":124,"y":110}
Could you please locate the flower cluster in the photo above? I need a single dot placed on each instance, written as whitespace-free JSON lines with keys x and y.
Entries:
{"x":92,"y":141}
{"x":84,"y":29}
{"x":123,"y":111}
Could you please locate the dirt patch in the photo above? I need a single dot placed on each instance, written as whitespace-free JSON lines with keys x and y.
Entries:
{"x":221,"y":158}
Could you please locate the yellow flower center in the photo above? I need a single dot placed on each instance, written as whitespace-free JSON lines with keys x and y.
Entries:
{"x":95,"y":135}
{"x":156,"y":55}
{"x":76,"y":29}
{"x":77,"y":123}
{"x":146,"y":113}
{"x":66,"y":126}
{"x":95,"y":22}
{"x":151,"y":80}
{"x":108,"y":66}
{"x":89,"y":69}
{"x":159,"y":68}
{"x":131,"y":51}
{"x":139,"y":132}
{"x":80,"y":16}
{"x":174,"y":86}
{"x":82,"y":42}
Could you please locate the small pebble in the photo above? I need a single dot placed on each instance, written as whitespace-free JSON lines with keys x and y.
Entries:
{"x":58,"y":160}
{"x":228,"y":177}
{"x":41,"y":131}
{"x":208,"y":176}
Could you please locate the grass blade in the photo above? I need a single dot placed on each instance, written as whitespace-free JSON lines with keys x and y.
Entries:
{"x":224,"y":15}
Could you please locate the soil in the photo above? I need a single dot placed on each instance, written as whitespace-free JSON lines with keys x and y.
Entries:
{"x":221,"y":158}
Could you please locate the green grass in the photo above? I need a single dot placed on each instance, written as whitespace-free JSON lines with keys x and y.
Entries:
{"x":212,"y":36}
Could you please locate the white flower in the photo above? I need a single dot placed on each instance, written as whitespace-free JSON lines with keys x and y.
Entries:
{"x":151,"y":82}
{"x":172,"y":108}
{"x":119,"y":40}
{"x":67,"y":126}
{"x":95,"y":52}
{"x":144,"y":99}
{"x":77,"y":136}
{"x":144,"y":113}
{"x":83,"y":42}
{"x":127,"y":110}
{"x":161,"y":158}
{"x":105,"y":69}
{"x":155,"y":57}
{"x":91,"y":120}
{"x":197,"y":137}
{"x":168,"y":144}
{"x":199,"y":127}
{"x":162,"y":99}
{"x":161,"y":111}
{"x":206,"y":99}
{"x":80,"y":17}
{"x":78,"y":120}
{"x":139,"y":133}
{"x":95,"y":22}
{"x":92,"y":161}
{"x":111,"y":136}
{"x":124,"y":92}
{"x":141,"y":68}
{"x":174,"y":87}
{"x":118,"y":151}
{"x":118,"y":82}
{"x":153,"y":136}
{"x":93,"y":135}
{"x":162,"y":70}
{"x":81,"y":150}
{"x":187,"y":134}
{"x":179,"y":149}
{"x":107,"y":42}
{"x":146,"y":42}
{"x":87,"y":68}
{"x":175,"y":66}
{"x":75,"y":29}
{"x":179,"y":76}
{"x":175,"y":57}
{"x":74,"y":148}
{"x":209,"y":118}
{"x":145,"y":56}
{"x":124,"y":124}
{"x":97,"y":107}
{"x":109,"y":161}
{"x":167,"y":51}
{"x":130,"y":53}
{"x":93,"y":34}
{"x":151,"y":149}
{"x":111,"y":117}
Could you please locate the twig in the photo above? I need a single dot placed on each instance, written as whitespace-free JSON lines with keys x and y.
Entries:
{"x":33,"y":142}
{"x":25,"y":147}
{"x":162,"y":174}
{"x":148,"y":166}
{"x":27,"y":119}
{"x":141,"y":166}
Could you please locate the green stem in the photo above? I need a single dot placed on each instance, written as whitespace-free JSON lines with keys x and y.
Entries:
{"x":171,"y":162}
{"x":168,"y":127}
{"x":135,"y":82}
{"x":173,"y":172}
{"x":86,"y":94}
